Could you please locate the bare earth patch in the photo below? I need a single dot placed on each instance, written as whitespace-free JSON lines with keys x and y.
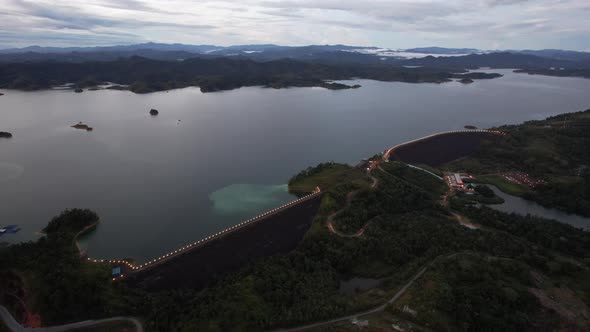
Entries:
{"x":570,"y":308}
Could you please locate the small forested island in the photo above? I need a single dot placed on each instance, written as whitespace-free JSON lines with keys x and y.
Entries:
{"x":82,"y":126}
{"x":478,"y":75}
{"x":78,"y":90}
{"x":5,"y":134}
{"x":470,"y":127}
{"x":338,"y":86}
{"x":466,"y":80}
{"x":1,"y":94}
{"x":433,"y":264}
{"x":154,"y":112}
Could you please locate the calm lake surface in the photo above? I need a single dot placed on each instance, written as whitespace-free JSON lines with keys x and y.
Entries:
{"x":522,"y":206}
{"x":159,"y":183}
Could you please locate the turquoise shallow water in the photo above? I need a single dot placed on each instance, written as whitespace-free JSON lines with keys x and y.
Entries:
{"x":247,"y":199}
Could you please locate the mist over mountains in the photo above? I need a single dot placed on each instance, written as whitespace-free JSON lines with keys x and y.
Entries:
{"x":332,"y":54}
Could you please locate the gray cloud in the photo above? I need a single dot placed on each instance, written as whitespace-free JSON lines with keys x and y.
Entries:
{"x":395,"y":24}
{"x":504,"y":2}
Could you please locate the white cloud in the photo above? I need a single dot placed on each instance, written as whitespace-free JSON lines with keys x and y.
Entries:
{"x":394,"y":24}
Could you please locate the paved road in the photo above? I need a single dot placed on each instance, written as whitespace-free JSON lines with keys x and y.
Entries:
{"x":363,"y":313}
{"x":349,"y":198}
{"x":374,"y":310}
{"x":9,"y":321}
{"x":425,"y":170}
{"x":14,"y":326}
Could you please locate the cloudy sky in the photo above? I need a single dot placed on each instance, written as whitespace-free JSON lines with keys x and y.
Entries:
{"x":486,"y":24}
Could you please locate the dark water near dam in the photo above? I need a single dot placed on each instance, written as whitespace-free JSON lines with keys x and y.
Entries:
{"x":208,"y":161}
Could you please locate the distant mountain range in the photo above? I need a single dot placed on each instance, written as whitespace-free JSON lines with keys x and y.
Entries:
{"x":116,"y":48}
{"x":425,"y":64}
{"x":449,"y":60}
{"x":260,"y":52}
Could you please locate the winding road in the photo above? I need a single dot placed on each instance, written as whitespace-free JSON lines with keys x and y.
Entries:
{"x":398,"y":294}
{"x":14,"y":326}
{"x":380,"y":308}
{"x":349,"y":197}
{"x":426,"y":171}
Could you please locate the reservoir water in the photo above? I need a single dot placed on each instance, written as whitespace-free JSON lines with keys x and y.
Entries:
{"x":513,"y":204}
{"x":208,"y":161}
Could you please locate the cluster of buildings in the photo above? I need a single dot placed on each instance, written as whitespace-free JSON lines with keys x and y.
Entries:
{"x":370,"y":164}
{"x":522,"y":178}
{"x":458,"y":181}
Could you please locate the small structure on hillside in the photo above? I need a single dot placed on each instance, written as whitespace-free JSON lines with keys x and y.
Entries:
{"x":458,"y":181}
{"x":360,"y":323}
{"x":410,"y":311}
{"x":522,"y":179}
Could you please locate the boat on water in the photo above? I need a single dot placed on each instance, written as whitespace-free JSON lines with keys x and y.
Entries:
{"x":82,"y":126}
{"x":9,"y":229}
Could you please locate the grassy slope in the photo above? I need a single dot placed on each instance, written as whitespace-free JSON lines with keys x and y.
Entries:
{"x":418,"y":178}
{"x":502,"y":184}
{"x":328,"y":177}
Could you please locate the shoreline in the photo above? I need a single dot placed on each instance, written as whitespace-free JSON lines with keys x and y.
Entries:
{"x":186,"y":249}
{"x":328,"y":84}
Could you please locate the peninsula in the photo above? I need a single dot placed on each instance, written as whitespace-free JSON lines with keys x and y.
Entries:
{"x":384,"y":221}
